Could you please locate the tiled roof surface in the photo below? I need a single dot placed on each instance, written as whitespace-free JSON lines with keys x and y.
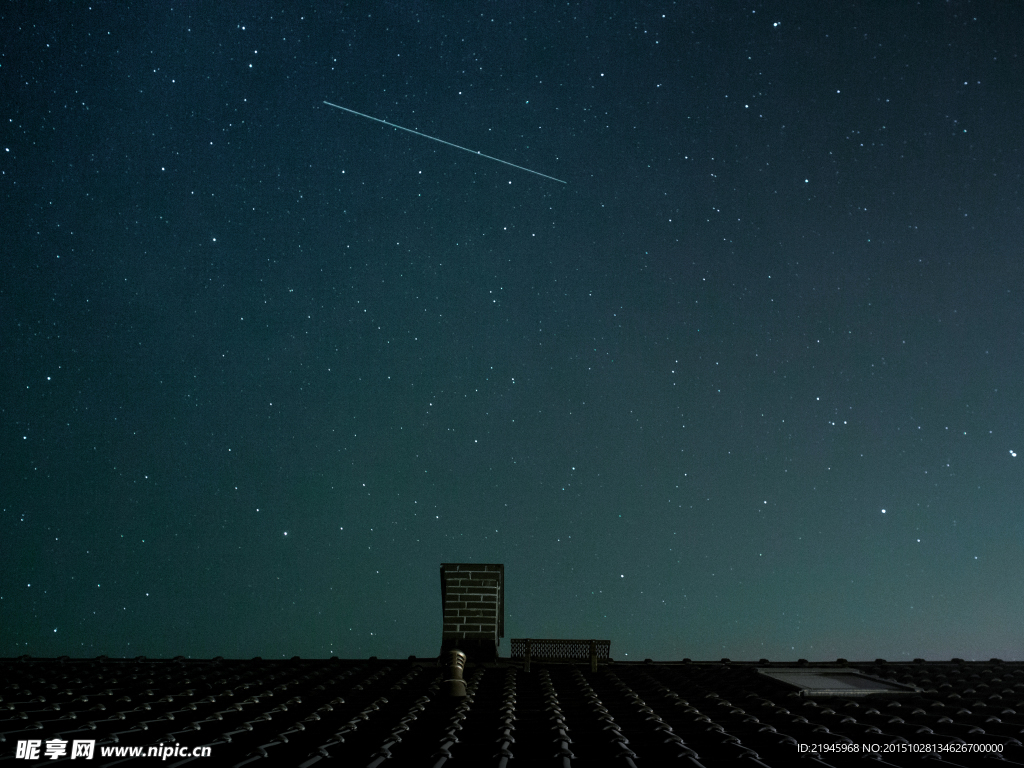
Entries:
{"x":373,"y":712}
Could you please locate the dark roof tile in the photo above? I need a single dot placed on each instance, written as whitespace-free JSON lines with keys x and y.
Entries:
{"x":384,"y":713}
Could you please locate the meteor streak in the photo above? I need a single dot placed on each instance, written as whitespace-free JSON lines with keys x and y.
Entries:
{"x":434,"y":138}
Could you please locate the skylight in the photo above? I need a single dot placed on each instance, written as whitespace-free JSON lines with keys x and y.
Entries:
{"x":835,"y":682}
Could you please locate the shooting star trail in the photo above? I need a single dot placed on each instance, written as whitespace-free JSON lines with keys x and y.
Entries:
{"x":434,"y":138}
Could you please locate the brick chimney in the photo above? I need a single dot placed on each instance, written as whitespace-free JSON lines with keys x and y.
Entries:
{"x":473,"y":605}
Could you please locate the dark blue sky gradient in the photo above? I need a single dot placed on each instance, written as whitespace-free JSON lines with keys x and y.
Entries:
{"x":749,"y":385}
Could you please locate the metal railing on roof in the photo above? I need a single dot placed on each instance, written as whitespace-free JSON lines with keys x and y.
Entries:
{"x":529,"y":649}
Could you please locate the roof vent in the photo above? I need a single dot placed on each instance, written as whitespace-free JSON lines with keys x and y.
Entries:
{"x":456,"y":685}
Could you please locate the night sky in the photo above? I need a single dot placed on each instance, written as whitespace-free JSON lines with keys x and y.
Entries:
{"x":749,"y":384}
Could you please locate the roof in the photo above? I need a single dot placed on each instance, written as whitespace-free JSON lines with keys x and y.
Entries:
{"x":374,"y":712}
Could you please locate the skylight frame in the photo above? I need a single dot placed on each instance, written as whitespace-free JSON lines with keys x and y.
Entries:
{"x":856,"y":683}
